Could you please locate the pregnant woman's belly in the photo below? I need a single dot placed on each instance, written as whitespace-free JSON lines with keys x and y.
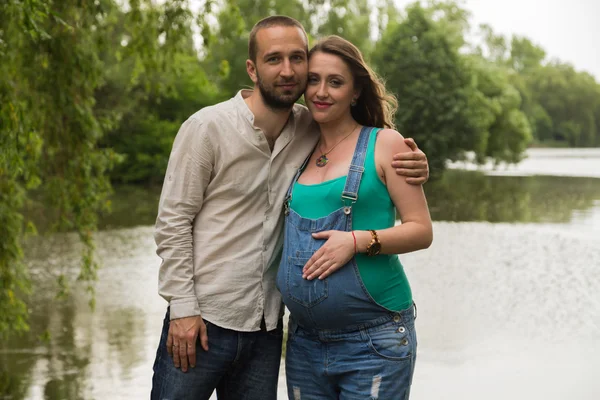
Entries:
{"x":339,"y":301}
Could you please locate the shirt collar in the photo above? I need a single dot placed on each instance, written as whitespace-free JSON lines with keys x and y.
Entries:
{"x":244,"y":110}
{"x":243,"y":107}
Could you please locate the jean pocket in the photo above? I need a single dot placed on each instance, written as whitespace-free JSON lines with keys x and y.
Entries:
{"x":393,"y":342}
{"x":300,"y":290}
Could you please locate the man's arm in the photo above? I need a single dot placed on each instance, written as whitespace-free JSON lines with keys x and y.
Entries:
{"x":187,"y":176}
{"x":413,"y":164}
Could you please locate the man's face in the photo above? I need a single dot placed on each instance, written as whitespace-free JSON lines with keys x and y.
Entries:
{"x":281,"y":65}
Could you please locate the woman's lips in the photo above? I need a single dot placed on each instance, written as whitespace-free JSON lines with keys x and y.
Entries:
{"x":321,"y":106}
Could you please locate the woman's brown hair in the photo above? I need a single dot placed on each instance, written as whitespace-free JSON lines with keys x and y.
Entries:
{"x":375,"y":106}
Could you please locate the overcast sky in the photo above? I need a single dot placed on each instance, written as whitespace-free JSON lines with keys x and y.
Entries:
{"x":566,"y":29}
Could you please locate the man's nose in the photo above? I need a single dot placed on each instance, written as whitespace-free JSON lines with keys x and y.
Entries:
{"x":286,"y":69}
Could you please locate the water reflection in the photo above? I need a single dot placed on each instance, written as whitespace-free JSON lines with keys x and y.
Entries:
{"x":459,"y":196}
{"x":13,"y":385}
{"x":54,"y":359}
{"x":123,"y":327}
{"x":473,"y":196}
{"x":62,"y":359}
{"x":503,"y":295}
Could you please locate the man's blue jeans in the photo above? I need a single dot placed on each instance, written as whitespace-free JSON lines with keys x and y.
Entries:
{"x":238,"y":365}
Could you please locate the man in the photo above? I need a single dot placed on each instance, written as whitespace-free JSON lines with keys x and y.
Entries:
{"x":219,"y":226}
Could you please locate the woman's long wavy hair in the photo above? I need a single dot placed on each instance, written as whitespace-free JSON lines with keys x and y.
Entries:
{"x":375,"y":106}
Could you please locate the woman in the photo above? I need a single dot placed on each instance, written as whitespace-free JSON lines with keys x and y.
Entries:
{"x":351,"y":332}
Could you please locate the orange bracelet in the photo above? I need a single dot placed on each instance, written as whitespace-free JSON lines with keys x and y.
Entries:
{"x":354,"y":242}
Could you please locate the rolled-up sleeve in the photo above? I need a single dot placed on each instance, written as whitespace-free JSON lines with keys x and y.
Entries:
{"x":188,"y":174}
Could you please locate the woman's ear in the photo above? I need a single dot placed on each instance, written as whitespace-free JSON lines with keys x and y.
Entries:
{"x":355,"y":98}
{"x":357,"y":93}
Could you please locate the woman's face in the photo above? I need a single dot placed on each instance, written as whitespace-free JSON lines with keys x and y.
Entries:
{"x":330,"y":87}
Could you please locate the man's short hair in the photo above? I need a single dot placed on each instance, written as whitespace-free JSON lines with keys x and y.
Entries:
{"x":269,"y":22}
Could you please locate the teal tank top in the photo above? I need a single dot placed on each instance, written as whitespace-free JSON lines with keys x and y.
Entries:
{"x":382,"y":275}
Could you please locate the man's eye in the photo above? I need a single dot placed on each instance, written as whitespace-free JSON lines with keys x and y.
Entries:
{"x":272,"y":59}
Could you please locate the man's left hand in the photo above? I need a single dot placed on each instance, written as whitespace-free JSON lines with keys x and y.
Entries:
{"x":413,"y":165}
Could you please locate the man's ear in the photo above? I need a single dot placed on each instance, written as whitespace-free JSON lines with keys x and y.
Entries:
{"x":251,"y":69}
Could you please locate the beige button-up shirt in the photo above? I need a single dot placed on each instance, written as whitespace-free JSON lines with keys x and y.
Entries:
{"x":220,"y":216}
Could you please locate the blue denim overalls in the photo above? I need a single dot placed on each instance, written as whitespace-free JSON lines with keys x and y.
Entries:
{"x":336,"y":317}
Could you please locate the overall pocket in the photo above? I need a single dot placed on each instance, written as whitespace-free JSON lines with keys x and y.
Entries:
{"x":392,"y":342}
{"x":302,"y":291}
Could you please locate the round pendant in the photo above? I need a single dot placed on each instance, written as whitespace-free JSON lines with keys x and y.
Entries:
{"x":322,"y":161}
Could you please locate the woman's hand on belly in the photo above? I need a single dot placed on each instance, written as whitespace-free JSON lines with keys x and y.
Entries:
{"x":334,"y":254}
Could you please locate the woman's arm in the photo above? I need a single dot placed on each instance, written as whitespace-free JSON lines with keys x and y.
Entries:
{"x":415,"y":232}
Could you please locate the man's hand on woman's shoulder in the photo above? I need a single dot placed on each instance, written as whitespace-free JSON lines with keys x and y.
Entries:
{"x":412,"y":164}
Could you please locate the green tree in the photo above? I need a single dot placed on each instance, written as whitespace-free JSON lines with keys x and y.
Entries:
{"x":525,"y":56}
{"x":145,"y":135}
{"x":349,"y":19}
{"x":508,"y":131}
{"x":53,"y":60}
{"x":571,"y":99}
{"x":431,"y":80}
{"x":451,"y":102}
{"x":148,"y":105}
{"x":558,"y":101}
{"x":49,"y":131}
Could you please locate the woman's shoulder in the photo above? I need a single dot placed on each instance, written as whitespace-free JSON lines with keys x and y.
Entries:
{"x":391,"y":140}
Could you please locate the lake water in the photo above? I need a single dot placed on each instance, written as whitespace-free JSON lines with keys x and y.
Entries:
{"x":508,"y":295}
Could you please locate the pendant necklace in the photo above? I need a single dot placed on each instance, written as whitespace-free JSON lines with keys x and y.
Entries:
{"x":322,"y":160}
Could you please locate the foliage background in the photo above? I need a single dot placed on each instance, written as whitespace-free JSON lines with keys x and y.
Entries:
{"x":92,"y":93}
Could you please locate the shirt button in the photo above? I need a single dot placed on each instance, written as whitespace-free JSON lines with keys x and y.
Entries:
{"x":267,"y":218}
{"x":264,"y":248}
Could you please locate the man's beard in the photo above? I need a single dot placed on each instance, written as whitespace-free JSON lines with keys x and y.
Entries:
{"x":277,"y":101}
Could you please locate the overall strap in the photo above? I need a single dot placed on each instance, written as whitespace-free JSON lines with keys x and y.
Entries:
{"x":350,"y":193}
{"x":288,"y":196}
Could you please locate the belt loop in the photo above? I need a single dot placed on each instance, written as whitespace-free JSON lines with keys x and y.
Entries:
{"x":415,"y":310}
{"x":364,"y":333}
